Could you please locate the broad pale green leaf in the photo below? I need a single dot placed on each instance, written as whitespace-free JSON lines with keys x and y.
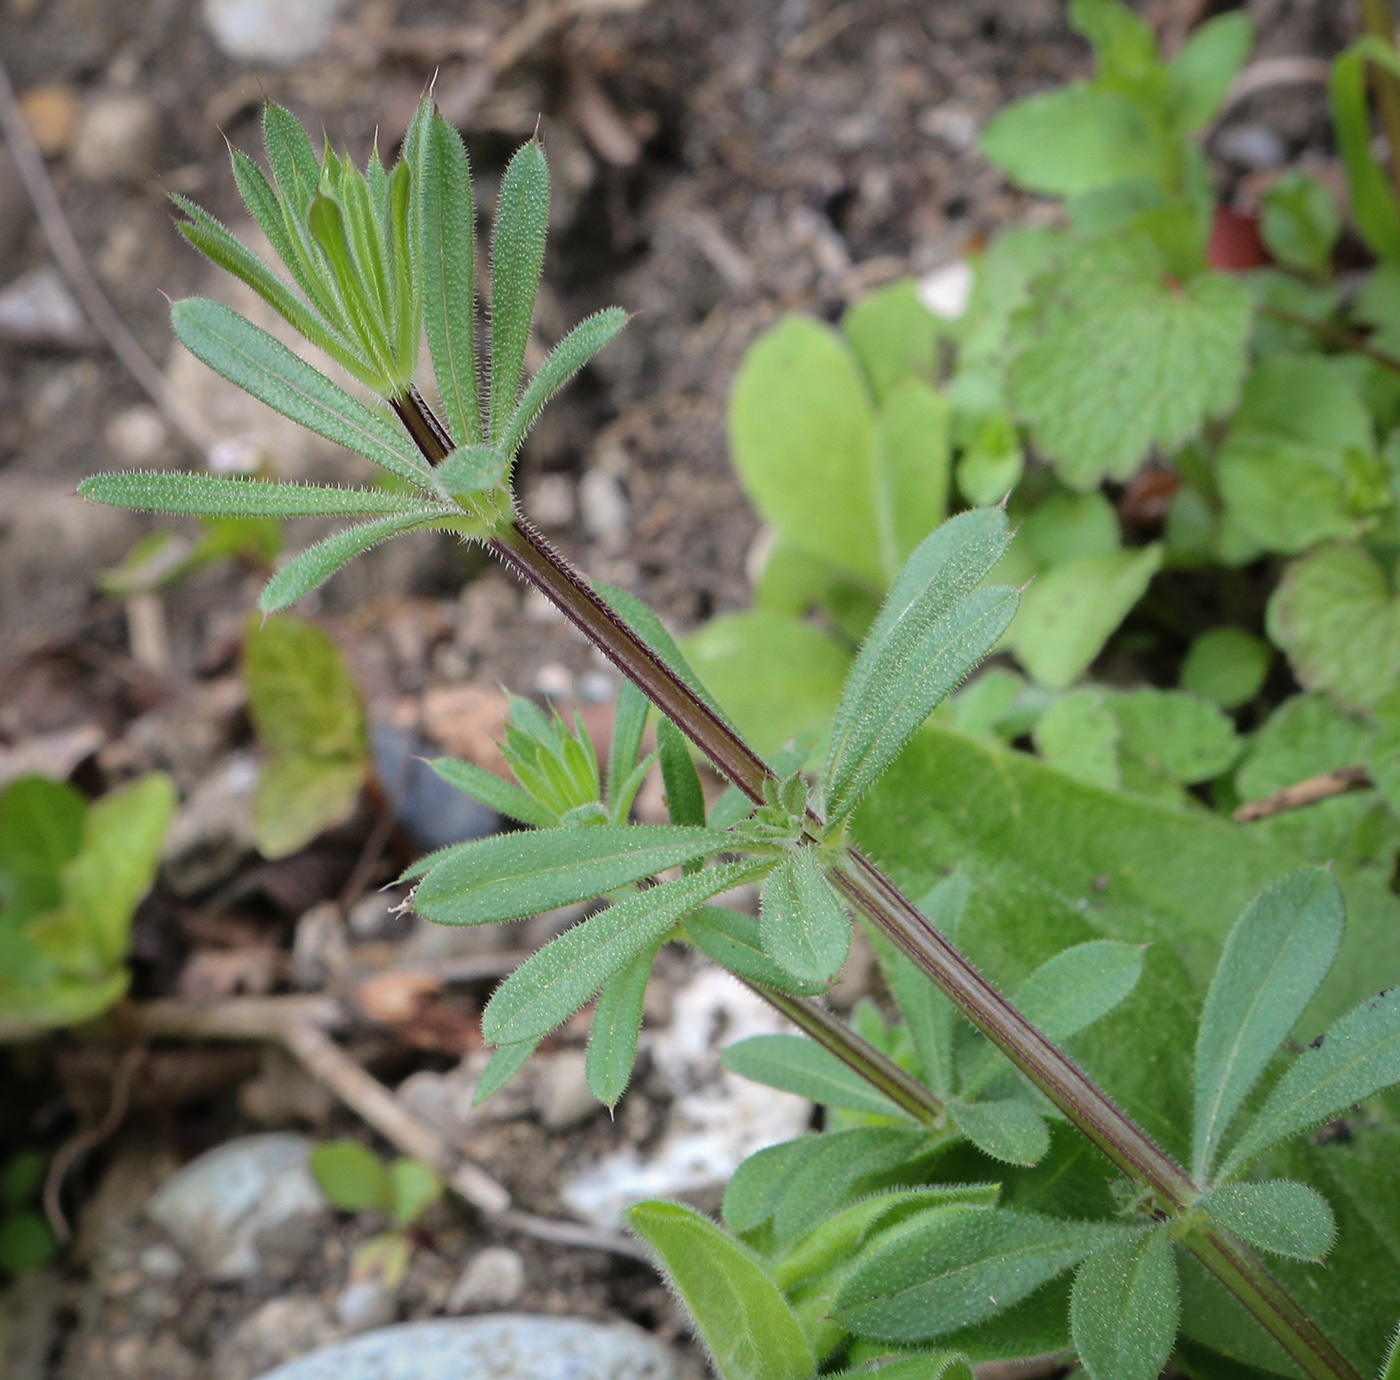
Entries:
{"x":1202,"y":71}
{"x":445,"y":219}
{"x":517,"y":256}
{"x":1337,"y":618}
{"x":934,"y":627}
{"x":414,"y":1187}
{"x":1357,"y":1057}
{"x":685,"y":797}
{"x":1300,"y":223}
{"x":1124,"y":1307}
{"x":732,"y":940}
{"x":298,"y":797}
{"x":1226,"y":666}
{"x":552,"y":984}
{"x":263,"y":366}
{"x":510,"y":876}
{"x":1174,"y":735}
{"x":1072,"y":140}
{"x":209,"y":495}
{"x":1305,"y":736}
{"x":1113,"y":360}
{"x":894,"y":336}
{"x":617,"y":1022}
{"x":564,"y":361}
{"x":927,"y":1013}
{"x":1070,"y":612}
{"x":1011,"y":1131}
{"x":992,"y":463}
{"x":41,"y":829}
{"x":491,"y":790}
{"x":1278,"y":1215}
{"x":958,"y":1266}
{"x":311,"y":568}
{"x":1274,"y":961}
{"x":778,"y":678}
{"x":352,"y":1176}
{"x":802,"y":924}
{"x":122,"y":837}
{"x":913,"y":469}
{"x":1067,"y":525}
{"x":505,"y":1063}
{"x":1079,"y":735}
{"x":798,"y":1065}
{"x":747,"y":1325}
{"x":301,"y":695}
{"x":802,"y":432}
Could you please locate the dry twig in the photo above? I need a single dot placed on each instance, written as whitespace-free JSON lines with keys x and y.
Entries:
{"x":1302,"y":793}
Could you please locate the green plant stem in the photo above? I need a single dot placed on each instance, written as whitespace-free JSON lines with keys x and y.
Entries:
{"x":1076,"y":1095}
{"x":881,"y":1072}
{"x":1379,"y":20}
{"x":1332,"y":335}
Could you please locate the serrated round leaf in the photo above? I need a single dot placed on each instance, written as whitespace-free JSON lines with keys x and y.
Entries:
{"x":1277,"y":1215}
{"x":1124,"y":1305}
{"x":747,"y":1325}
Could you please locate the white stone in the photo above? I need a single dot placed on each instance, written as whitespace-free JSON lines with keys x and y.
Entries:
{"x":38,"y":309}
{"x":137,"y":435}
{"x":494,"y":1278}
{"x":235,"y":1208}
{"x":508,"y":1346}
{"x":364,"y":1304}
{"x":947,"y":290}
{"x":117,"y":138}
{"x":604,"y":505}
{"x":562,"y":1096}
{"x":717,"y":1119}
{"x":277,"y":31}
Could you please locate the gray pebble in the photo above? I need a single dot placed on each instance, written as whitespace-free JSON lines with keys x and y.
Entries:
{"x":117,"y":138}
{"x":494,"y":1278}
{"x":604,"y":505}
{"x":562,"y":1096}
{"x":276,"y":31}
{"x":508,"y":1346}
{"x":279,"y":1331}
{"x":364,"y":1304}
{"x":161,"y":1262}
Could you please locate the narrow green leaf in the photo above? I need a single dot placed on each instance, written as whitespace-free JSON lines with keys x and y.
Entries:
{"x":555,"y":982}
{"x":801,"y":921}
{"x":931,"y":631}
{"x":751,"y":1196}
{"x":505,"y":1063}
{"x":1372,"y":201}
{"x":517,"y":255}
{"x":958,"y":1266}
{"x":620,"y":798}
{"x":732,"y":940}
{"x":629,"y":724}
{"x":617,"y":1023}
{"x":1274,"y":961}
{"x":685,"y":797}
{"x":208,"y":495}
{"x":318,"y":563}
{"x":1391,"y":1369}
{"x":264,"y":367}
{"x":408,"y":295}
{"x":1011,"y":1131}
{"x":1277,"y":1215}
{"x":510,"y":876}
{"x":491,"y":790}
{"x":1079,"y":986}
{"x":747,"y":1325}
{"x":368,"y":251}
{"x":564,"y":361}
{"x":330,"y":228}
{"x":1124,"y":1307}
{"x":471,"y":469}
{"x":1202,"y":71}
{"x":938,"y":1365}
{"x":445,"y":217}
{"x":927,"y":1013}
{"x":1357,"y":1057}
{"x":352,"y":1176}
{"x":798,"y":1065}
{"x":291,"y":156}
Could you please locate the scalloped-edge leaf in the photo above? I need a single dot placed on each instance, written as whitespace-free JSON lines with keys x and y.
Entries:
{"x":510,"y":876}
{"x":747,"y":1325}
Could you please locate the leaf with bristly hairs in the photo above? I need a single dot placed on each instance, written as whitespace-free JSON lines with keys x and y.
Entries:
{"x":517,"y":256}
{"x":1124,"y":1305}
{"x":803,"y":925}
{"x":207,"y":495}
{"x":617,"y":1023}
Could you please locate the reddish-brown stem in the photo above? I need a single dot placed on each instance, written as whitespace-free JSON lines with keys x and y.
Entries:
{"x":1076,"y":1095}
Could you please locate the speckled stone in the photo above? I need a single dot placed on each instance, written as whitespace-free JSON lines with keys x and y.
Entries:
{"x":505,"y":1346}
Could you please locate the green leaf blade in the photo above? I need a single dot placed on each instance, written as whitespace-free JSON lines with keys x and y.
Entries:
{"x":732,"y":940}
{"x":517,"y":256}
{"x":1124,"y":1307}
{"x":510,"y":876}
{"x":792,"y":1063}
{"x":802,"y":923}
{"x":555,"y":982}
{"x":1011,"y":1131}
{"x":747,"y":1325}
{"x":685,"y":797}
{"x":617,"y":1023}
{"x":492,"y":791}
{"x":1289,"y":1219}
{"x":1274,"y":961}
{"x":207,"y":495}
